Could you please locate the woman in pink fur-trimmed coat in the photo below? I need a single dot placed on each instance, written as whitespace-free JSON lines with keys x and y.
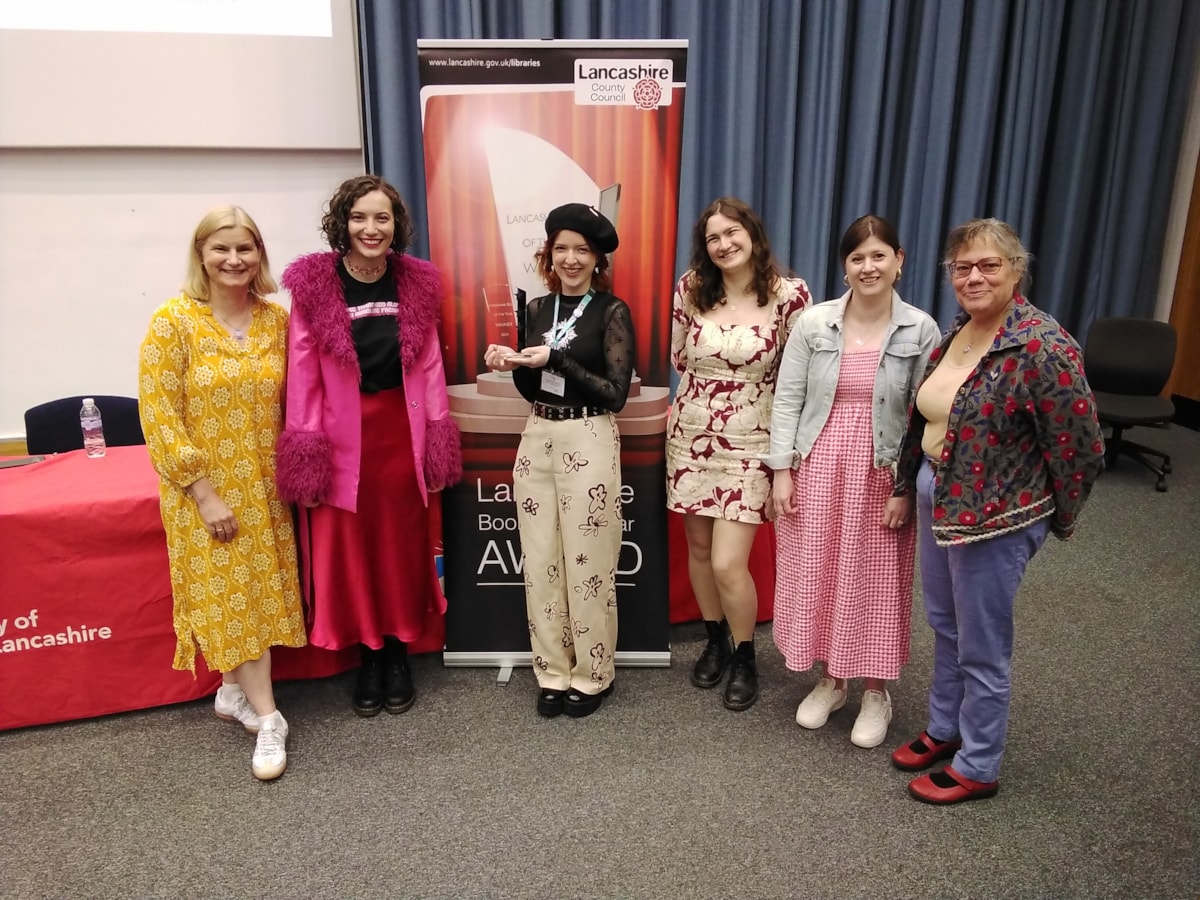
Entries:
{"x":367,"y":436}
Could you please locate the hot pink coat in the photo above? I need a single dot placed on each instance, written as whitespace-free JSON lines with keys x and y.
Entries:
{"x":320,"y":448}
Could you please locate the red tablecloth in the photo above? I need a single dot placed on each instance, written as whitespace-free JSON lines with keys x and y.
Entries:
{"x":85,"y":595}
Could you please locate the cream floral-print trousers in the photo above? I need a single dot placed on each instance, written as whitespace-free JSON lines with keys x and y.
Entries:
{"x":567,"y":484}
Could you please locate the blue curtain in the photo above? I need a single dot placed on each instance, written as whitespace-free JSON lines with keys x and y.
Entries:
{"x":1062,"y":117}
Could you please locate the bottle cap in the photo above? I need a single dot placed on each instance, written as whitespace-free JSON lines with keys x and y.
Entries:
{"x":89,"y":401}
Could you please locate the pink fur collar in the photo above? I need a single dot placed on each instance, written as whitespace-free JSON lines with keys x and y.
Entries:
{"x":317,"y":296}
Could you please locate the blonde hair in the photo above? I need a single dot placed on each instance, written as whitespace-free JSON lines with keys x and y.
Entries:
{"x":195,"y":283}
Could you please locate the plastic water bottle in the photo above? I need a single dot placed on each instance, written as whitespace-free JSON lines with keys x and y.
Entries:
{"x":93,"y":429}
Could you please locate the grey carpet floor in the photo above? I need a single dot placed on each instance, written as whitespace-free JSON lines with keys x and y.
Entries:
{"x":663,"y":793}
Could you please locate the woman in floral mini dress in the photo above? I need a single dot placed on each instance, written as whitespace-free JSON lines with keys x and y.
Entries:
{"x":732,"y":313}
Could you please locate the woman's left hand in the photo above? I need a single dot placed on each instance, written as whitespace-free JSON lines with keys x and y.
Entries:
{"x":533,"y":357}
{"x":895,"y":512}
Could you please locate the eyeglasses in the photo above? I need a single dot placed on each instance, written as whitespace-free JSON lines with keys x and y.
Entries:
{"x":987,"y":266}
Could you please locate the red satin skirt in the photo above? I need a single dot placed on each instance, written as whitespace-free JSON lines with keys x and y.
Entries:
{"x":372,"y":572}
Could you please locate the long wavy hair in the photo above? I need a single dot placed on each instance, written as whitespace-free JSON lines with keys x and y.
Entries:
{"x":706,"y":284}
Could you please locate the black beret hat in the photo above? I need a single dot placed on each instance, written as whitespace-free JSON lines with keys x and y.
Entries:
{"x":587,"y":221}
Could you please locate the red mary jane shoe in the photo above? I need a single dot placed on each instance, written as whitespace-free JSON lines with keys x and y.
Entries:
{"x":923,"y":753}
{"x":948,"y":786}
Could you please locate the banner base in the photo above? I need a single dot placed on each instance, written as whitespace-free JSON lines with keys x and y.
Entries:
{"x":496,"y":659}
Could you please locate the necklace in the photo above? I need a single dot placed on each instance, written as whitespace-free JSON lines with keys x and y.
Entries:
{"x":562,"y":333}
{"x":239,"y":332}
{"x":371,"y":272}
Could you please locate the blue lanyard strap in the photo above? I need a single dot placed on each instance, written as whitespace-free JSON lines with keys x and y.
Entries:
{"x":562,"y":333}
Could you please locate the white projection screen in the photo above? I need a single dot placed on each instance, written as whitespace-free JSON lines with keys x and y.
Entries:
{"x":137,"y":83}
{"x":121,"y":123}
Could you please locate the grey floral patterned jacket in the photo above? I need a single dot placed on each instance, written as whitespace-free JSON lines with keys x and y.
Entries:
{"x":1023,"y":441}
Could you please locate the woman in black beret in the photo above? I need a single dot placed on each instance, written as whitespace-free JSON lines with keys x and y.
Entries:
{"x":576,"y":372}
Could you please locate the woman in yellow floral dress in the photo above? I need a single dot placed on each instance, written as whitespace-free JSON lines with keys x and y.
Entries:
{"x":210,"y":393}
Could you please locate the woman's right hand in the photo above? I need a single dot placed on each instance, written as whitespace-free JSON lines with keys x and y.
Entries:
{"x":783,"y":493}
{"x":497,"y":358}
{"x":218,"y":518}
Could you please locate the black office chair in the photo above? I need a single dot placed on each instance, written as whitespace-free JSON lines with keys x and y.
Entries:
{"x":54,"y":427}
{"x":1128,"y":363}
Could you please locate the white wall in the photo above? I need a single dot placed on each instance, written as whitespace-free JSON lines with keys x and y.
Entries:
{"x":94,"y":234}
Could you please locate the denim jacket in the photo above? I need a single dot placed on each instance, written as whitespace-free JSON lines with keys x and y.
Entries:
{"x":808,"y":376}
{"x":1022,"y":443}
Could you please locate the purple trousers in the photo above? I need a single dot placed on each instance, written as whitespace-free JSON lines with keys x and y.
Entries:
{"x":969,"y":591}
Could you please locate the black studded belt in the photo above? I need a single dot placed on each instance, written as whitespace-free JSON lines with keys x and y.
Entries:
{"x":563,"y":413}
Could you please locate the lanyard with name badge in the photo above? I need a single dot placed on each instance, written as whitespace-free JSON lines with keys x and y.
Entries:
{"x":559,"y":337}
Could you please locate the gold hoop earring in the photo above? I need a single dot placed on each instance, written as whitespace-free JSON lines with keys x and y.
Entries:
{"x":899,"y":272}
{"x":846,"y":280}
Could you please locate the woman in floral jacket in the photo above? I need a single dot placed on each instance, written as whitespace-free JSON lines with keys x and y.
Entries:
{"x":1002,"y":448}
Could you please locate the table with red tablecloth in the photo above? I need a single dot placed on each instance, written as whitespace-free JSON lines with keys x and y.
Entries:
{"x":85,"y":594}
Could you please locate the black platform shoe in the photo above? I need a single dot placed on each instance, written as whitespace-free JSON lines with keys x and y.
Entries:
{"x":398,"y":692}
{"x":710,"y":667}
{"x":578,"y":704}
{"x":550,"y":702}
{"x":368,"y":691}
{"x":742,"y":689}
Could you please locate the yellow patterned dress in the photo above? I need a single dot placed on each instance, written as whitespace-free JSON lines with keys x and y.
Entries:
{"x":212,"y":406}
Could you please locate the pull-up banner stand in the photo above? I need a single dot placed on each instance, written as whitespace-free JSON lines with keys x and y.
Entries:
{"x":513,"y":129}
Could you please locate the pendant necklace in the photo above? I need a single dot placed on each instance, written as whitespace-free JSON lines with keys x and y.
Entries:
{"x":239,"y":334}
{"x":562,"y":333}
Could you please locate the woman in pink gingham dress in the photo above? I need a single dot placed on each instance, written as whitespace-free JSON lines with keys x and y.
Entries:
{"x":843,"y":593}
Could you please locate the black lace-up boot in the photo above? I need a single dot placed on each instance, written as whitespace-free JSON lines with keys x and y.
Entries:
{"x":368,"y":691}
{"x":742,"y":689}
{"x":710,"y":667}
{"x":398,"y":692}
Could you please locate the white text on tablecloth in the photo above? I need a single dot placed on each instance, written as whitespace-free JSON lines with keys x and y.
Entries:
{"x":25,"y":633}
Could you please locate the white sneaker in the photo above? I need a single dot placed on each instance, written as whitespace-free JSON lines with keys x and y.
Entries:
{"x":232,"y":706}
{"x":825,"y":698}
{"x":871,"y":726}
{"x":270,"y":750}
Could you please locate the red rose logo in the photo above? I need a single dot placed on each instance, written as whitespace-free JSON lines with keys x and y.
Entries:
{"x":1081,"y":407}
{"x":647,"y":93}
{"x":967,"y":518}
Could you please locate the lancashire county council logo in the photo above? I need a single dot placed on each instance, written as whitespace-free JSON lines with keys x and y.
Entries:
{"x":646,"y":94}
{"x":642,"y":83}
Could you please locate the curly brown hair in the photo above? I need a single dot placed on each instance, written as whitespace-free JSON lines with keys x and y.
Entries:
{"x":335,"y":222}
{"x":706,"y":283}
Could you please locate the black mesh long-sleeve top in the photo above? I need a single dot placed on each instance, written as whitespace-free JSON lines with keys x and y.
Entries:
{"x":597,"y":365}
